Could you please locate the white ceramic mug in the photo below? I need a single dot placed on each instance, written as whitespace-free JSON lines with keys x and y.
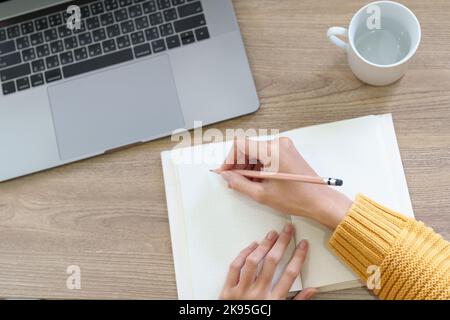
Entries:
{"x":382,"y":36}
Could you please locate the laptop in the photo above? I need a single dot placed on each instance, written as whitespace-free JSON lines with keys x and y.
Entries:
{"x":126,"y":72}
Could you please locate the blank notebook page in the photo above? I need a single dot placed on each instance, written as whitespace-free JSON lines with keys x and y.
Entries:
{"x":220,"y":223}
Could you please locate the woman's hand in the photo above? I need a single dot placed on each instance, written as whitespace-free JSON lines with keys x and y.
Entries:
{"x":245,"y":283}
{"x":318,"y":202}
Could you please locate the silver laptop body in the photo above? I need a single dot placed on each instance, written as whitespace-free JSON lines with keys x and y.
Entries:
{"x":186,"y":64}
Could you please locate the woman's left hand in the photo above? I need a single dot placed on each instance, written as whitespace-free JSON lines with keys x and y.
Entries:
{"x":245,"y":283}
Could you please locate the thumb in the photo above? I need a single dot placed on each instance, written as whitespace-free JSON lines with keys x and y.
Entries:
{"x":306,"y":294}
{"x":241,"y":184}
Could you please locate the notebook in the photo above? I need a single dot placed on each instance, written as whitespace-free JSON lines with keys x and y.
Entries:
{"x":210,"y":223}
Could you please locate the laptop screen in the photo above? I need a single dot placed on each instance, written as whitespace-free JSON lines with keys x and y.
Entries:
{"x":11,"y":8}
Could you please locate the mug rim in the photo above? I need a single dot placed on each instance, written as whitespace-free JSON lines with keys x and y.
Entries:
{"x":411,"y":52}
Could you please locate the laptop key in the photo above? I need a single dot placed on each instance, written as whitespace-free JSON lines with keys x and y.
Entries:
{"x":127,"y":26}
{"x":152,"y":34}
{"x":106,"y":19}
{"x":123,"y":42}
{"x":111,"y":5}
{"x":36,"y":38}
{"x":170,"y":15}
{"x":70,"y":43}
{"x":142,"y":50}
{"x":7,"y":47}
{"x":190,"y":23}
{"x":149,"y":6}
{"x":38,"y":65}
{"x":9,"y":87}
{"x":121,"y":15}
{"x":85,"y":12}
{"x":163,"y":4}
{"x":125,"y":3}
{"x":42,"y":51}
{"x":158,"y":46}
{"x":52,"y":62}
{"x":166,"y":29}
{"x":53,"y":75}
{"x":141,"y":23}
{"x":95,"y":50}
{"x":13,"y":32}
{"x":109,"y":45}
{"x":2,"y":35}
{"x":187,"y":37}
{"x":56,"y":46}
{"x":66,"y":57}
{"x":92,"y":23}
{"x":99,"y":35}
{"x":113,"y":31}
{"x":23,"y":83}
{"x":190,"y":9}
{"x":15,"y":72}
{"x":28,"y":54}
{"x":82,"y":27}
{"x":173,"y":42}
{"x":41,"y":24}
{"x":156,"y":18}
{"x":85,"y":39}
{"x":137,"y":38}
{"x":202,"y":33}
{"x":63,"y":31}
{"x":27,"y":27}
{"x":22,"y":43}
{"x":80,"y":54}
{"x":98,"y":63}
{"x":97,"y":8}
{"x":55,"y":20}
{"x":135,"y":11}
{"x":37,"y":79}
{"x":50,"y":35}
{"x":10,"y":60}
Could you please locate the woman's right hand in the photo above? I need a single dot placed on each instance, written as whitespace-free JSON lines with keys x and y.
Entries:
{"x":318,"y":202}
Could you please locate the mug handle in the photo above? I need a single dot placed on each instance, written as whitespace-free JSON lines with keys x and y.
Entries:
{"x":338,"y":31}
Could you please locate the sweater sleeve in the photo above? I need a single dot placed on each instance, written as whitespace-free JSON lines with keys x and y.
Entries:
{"x":409,"y":260}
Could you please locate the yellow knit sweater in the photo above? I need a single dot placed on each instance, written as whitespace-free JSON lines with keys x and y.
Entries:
{"x":413,"y":261}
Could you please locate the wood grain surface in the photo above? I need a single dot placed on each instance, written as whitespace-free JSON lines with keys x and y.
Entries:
{"x":108,"y":214}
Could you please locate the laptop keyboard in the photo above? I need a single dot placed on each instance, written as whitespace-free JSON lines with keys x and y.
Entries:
{"x":43,"y":50}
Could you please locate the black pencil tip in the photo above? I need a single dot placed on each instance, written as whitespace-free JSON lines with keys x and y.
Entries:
{"x":339,"y":182}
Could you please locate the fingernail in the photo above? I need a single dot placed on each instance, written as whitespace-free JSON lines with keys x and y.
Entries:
{"x":226,"y":176}
{"x":271,"y":235}
{"x":288,"y":228}
{"x":303,"y":244}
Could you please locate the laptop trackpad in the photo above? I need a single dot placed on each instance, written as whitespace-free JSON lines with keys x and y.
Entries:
{"x":115,"y":107}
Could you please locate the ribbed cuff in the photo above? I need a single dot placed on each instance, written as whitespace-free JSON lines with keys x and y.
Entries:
{"x":366,"y":234}
{"x":413,"y":261}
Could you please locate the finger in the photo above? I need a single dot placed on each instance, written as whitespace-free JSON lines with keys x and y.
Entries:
{"x":292,"y":270}
{"x":254,"y":151}
{"x":246,"y":151}
{"x":306,"y":294}
{"x":237,"y":264}
{"x":275,"y":255}
{"x":235,"y":158}
{"x":254,"y":190}
{"x":250,"y":267}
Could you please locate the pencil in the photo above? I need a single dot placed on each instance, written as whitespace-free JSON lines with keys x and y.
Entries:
{"x":286,"y":176}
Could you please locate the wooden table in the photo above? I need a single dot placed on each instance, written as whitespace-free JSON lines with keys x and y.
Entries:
{"x":108,"y":215}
